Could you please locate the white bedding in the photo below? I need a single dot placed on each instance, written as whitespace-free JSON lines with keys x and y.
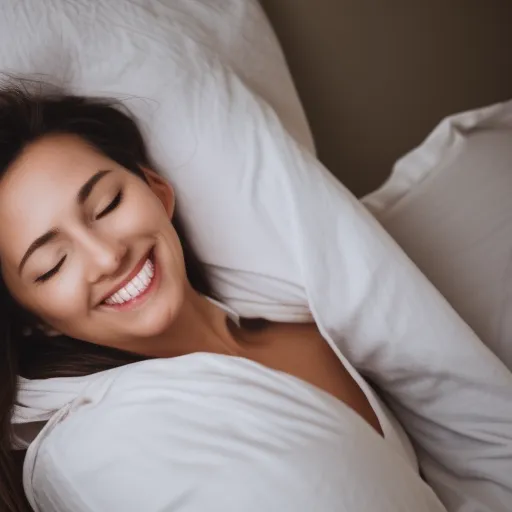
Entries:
{"x":447,"y":203}
{"x":210,"y":433}
{"x":281,"y":237}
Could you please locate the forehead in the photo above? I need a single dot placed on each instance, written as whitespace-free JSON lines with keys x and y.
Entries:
{"x":40,"y":184}
{"x":54,"y":161}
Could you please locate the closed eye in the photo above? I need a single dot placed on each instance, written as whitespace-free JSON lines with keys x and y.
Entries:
{"x":112,"y":206}
{"x":50,"y":273}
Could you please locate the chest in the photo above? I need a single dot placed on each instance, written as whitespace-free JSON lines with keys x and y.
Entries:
{"x":301,"y":351}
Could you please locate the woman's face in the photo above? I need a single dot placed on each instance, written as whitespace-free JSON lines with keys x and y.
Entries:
{"x":88,"y":246}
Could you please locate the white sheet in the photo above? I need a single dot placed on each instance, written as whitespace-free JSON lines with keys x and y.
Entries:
{"x":215,"y":433}
{"x":280,"y":235}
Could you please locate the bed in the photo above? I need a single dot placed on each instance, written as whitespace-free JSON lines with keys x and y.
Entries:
{"x":370,"y":301}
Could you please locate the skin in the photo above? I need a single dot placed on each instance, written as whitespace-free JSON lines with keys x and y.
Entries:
{"x":39,"y":193}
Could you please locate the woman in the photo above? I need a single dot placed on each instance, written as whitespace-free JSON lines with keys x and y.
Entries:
{"x":97,"y":273}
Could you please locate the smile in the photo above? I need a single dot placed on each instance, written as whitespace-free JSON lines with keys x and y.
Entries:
{"x":136,"y":288}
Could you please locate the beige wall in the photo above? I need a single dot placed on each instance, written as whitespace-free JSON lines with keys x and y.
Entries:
{"x":376,"y":76}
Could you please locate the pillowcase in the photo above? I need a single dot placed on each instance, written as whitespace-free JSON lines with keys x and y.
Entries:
{"x":448,"y":204}
{"x":282,"y":238}
{"x":153,"y":50}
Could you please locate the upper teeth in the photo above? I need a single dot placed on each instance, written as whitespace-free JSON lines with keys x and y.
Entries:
{"x":135,"y":287}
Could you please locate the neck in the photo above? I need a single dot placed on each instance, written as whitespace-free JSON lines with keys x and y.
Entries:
{"x":200,"y":326}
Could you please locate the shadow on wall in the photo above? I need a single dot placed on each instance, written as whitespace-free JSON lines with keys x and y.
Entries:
{"x":376,"y":77}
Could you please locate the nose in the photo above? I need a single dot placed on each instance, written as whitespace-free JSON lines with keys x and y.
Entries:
{"x":105,"y":256}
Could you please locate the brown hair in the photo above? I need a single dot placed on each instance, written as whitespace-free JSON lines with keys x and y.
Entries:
{"x":25,"y":117}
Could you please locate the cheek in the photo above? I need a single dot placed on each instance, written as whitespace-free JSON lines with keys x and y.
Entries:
{"x":62,"y":310}
{"x":63,"y":301}
{"x":137,"y":219}
{"x":175,"y":262}
{"x":144,"y":209}
{"x":51,"y":303}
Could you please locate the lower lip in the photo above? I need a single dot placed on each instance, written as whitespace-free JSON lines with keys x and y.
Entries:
{"x":142,"y":297}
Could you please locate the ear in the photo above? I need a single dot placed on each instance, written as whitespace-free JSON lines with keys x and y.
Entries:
{"x":162,"y":189}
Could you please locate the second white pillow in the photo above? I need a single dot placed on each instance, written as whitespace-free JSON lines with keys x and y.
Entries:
{"x":448,"y":204}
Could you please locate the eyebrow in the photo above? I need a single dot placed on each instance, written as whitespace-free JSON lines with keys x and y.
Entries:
{"x":88,"y":186}
{"x":81,"y":197}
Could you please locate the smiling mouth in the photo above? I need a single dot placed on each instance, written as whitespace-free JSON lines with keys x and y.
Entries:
{"x":135,"y":289}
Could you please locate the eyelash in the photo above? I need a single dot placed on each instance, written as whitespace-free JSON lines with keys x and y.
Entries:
{"x":50,"y":273}
{"x":112,"y":206}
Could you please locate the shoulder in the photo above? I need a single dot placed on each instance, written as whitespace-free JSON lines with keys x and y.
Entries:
{"x":106,"y":453}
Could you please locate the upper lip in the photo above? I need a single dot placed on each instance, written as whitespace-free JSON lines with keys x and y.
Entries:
{"x":128,"y":278}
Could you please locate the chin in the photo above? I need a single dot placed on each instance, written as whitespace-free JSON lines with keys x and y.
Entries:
{"x":158,"y":319}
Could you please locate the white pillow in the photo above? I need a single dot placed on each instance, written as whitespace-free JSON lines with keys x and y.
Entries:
{"x":448,"y":204}
{"x":153,"y":50}
{"x":281,"y":236}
